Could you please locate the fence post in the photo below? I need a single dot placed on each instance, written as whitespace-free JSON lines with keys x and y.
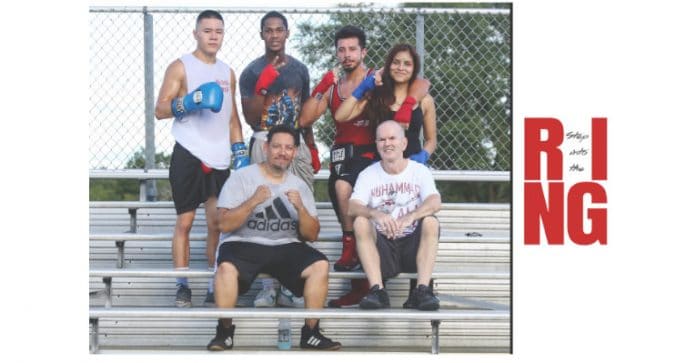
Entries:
{"x":148,"y":44}
{"x":420,"y":40}
{"x":420,"y":48}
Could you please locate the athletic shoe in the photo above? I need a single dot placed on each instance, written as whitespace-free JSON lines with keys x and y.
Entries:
{"x":375,"y":299}
{"x":349,"y":257}
{"x":183,"y":297}
{"x":313,"y":339}
{"x":209,"y":299}
{"x":410,"y":303}
{"x":422,"y":298}
{"x":288,"y":299}
{"x":266,"y":298}
{"x":359,"y":288}
{"x":224,"y":338}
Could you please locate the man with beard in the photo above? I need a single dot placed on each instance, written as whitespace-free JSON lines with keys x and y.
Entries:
{"x":273,"y":88}
{"x":266,"y":215}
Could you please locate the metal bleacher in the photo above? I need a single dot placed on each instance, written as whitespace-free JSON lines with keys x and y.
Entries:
{"x":132,"y":284}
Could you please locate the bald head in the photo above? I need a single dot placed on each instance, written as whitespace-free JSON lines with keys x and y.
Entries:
{"x":391,"y":140}
{"x":391,"y":126}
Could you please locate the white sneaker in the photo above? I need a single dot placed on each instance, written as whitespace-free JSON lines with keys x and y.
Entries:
{"x":266,"y":298}
{"x":286,"y":298}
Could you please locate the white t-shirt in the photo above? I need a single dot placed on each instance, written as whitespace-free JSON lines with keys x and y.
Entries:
{"x":395,"y":194}
{"x":273,"y":222}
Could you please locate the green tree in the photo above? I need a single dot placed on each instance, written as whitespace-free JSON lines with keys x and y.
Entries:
{"x":125,"y":189}
{"x":137,"y":161}
{"x":113,"y":189}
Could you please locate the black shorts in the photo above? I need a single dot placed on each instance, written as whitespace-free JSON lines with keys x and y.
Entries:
{"x":190,"y":185}
{"x":285,"y":262}
{"x":399,"y":255}
{"x":363,"y":156}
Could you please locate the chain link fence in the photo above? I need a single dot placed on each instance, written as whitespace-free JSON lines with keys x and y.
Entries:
{"x":466,"y":54}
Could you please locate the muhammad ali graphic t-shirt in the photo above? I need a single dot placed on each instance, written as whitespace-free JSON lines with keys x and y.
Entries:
{"x":395,"y":194}
{"x":273,"y":222}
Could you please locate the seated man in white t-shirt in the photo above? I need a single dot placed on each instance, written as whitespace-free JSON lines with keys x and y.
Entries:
{"x":266,"y":217}
{"x":394,"y":202}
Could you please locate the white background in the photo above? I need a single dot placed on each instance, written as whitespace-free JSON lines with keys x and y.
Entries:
{"x":633,"y":63}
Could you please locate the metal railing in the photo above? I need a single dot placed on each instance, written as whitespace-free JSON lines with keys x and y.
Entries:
{"x":144,"y":176}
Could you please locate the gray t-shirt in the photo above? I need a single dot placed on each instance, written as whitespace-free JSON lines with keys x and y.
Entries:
{"x":273,"y":222}
{"x":286,"y":95}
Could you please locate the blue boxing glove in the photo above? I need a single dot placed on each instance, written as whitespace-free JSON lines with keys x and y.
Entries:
{"x":421,"y":157}
{"x":368,"y":84}
{"x":241,"y":158}
{"x":207,"y":96}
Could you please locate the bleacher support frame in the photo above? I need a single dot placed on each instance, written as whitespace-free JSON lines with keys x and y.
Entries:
{"x":481,"y":311}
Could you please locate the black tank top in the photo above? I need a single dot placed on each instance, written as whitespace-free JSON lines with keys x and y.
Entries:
{"x":413,"y":132}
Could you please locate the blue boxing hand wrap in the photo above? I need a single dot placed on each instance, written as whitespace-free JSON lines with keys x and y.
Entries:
{"x":368,"y":84}
{"x":241,"y":157}
{"x":207,"y":96}
{"x":421,"y":157}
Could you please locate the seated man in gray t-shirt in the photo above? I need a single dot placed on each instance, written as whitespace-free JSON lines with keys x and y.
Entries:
{"x":266,"y":215}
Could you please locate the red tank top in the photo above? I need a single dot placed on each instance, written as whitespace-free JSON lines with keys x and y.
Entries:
{"x":356,"y":131}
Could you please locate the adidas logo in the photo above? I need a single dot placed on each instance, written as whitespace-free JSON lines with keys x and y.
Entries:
{"x":275,"y":217}
{"x":313,"y":341}
{"x":228,"y":342}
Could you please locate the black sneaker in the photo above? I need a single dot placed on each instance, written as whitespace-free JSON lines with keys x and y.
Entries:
{"x":313,"y":339}
{"x":183,"y":297}
{"x":411,"y":301}
{"x":209,"y":299}
{"x":375,"y":299}
{"x":224,"y":338}
{"x":422,"y":298}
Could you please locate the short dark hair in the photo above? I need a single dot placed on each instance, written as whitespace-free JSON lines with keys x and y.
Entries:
{"x":350,"y":31}
{"x":209,"y":14}
{"x":274,"y":14}
{"x":283,"y":129}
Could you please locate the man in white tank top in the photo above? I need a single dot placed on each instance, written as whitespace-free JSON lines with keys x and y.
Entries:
{"x":199,"y":91}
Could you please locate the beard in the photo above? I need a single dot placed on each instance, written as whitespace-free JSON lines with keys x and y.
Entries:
{"x":349,"y":69}
{"x":278,"y":168}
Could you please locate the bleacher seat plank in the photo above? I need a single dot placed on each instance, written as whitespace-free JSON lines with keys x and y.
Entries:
{"x":473,"y":262}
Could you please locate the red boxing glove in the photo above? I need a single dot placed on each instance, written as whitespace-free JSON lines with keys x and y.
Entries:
{"x":266,"y":78}
{"x":403,"y":115}
{"x":325,"y":83}
{"x":316,"y":164}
